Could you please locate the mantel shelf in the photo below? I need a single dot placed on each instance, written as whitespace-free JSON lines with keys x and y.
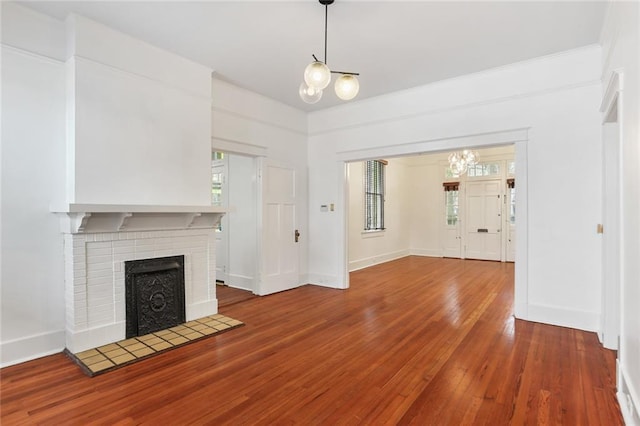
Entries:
{"x":95,"y":218}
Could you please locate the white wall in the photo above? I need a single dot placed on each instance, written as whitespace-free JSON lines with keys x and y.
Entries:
{"x":140,"y":122}
{"x":554,"y":101}
{"x":426,"y":205}
{"x":370,"y":248}
{"x":621,"y":53}
{"x":33,"y":167}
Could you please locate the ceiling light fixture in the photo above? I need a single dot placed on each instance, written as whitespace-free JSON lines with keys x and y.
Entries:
{"x":459,"y":162}
{"x":317,"y":74}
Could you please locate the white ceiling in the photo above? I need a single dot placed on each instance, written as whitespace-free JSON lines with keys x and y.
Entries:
{"x":265,"y":45}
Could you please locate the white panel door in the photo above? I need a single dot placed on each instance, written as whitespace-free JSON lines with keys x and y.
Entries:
{"x":280,"y":247}
{"x":484,"y":221}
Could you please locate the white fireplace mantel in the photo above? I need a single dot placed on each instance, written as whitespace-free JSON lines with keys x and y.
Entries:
{"x":96,"y":218}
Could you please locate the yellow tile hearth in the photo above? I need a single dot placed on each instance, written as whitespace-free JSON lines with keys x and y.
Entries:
{"x":108,"y":357}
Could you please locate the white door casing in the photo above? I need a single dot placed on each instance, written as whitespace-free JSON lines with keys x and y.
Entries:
{"x":280,"y":266}
{"x":483,"y":220}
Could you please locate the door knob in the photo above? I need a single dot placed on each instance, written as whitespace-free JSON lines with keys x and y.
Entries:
{"x":297,"y":235}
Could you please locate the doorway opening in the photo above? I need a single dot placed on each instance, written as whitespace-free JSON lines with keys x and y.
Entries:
{"x":234,"y":187}
{"x":429,"y":211}
{"x":519,"y":138}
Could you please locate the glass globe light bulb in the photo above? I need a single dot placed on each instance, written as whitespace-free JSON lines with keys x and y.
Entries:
{"x":472,"y":157}
{"x":308,"y":94}
{"x":317,"y":75}
{"x":454,"y":158}
{"x":347,"y":87}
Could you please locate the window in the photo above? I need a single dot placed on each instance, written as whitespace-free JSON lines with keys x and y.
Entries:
{"x":484,"y":169}
{"x":217,"y":181}
{"x":374,"y":195}
{"x":451,"y":202}
{"x":511,"y":185}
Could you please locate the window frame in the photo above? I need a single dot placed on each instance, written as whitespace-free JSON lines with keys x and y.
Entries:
{"x":374,"y":188}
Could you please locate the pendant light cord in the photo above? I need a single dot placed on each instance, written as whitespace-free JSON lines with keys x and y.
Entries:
{"x":326,"y":14}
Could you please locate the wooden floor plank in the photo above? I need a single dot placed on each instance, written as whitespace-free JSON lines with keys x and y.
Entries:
{"x":415,"y":341}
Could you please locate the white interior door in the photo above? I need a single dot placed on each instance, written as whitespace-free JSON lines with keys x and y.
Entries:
{"x":483,"y":220}
{"x":219,"y":198}
{"x":280,"y":269}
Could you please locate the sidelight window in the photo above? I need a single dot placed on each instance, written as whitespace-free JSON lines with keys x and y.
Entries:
{"x":511,"y":187}
{"x":451,"y":202}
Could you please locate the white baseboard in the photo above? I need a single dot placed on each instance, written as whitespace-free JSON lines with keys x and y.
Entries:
{"x":581,"y":320}
{"x":240,"y":281}
{"x":328,"y":281}
{"x":28,"y":348}
{"x":203,"y":309}
{"x":83,"y":340}
{"x":354,"y":265}
{"x":425,"y":252}
{"x":628,"y":398}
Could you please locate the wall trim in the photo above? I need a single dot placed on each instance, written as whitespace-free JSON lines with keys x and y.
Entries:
{"x":201,"y":309}
{"x":258,"y":120}
{"x":156,"y":81}
{"x":241,"y":282}
{"x":28,"y":53}
{"x":320,"y":280}
{"x":498,"y":137}
{"x":611,"y":93}
{"x":459,"y":107}
{"x":425,"y":252}
{"x":560,"y":316}
{"x":238,"y":147}
{"x":355,"y":265}
{"x":31,"y":347}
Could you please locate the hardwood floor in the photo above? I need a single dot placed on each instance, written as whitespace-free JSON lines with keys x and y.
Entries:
{"x":230,"y":296}
{"x":414,"y":341}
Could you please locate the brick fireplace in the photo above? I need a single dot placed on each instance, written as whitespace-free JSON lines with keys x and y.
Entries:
{"x":100,"y":239}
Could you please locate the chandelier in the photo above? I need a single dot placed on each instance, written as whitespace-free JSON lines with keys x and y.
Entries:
{"x":459,"y":162}
{"x":317,"y":74}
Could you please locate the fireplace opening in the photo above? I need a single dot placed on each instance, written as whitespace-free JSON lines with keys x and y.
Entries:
{"x":154,"y":293}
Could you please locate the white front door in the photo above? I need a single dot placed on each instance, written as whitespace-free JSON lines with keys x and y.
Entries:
{"x":483,"y":220}
{"x":279,"y":240}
